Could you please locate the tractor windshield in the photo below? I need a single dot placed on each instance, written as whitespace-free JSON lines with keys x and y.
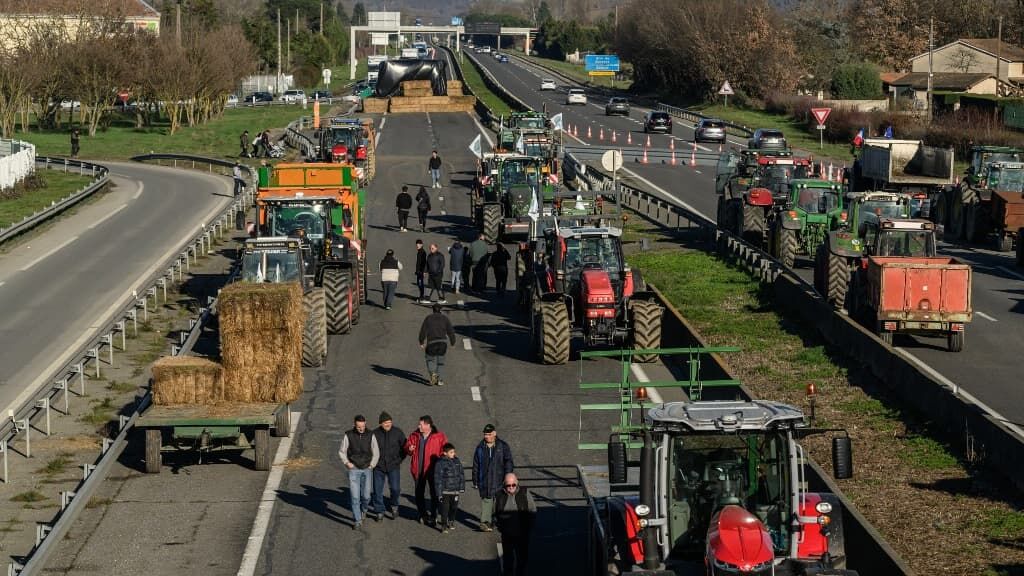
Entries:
{"x":285,"y":220}
{"x":519,"y":174}
{"x":537,"y":148}
{"x":535,"y":123}
{"x":595,"y":251}
{"x":1006,"y":179}
{"x":817,"y":200}
{"x":874,"y":209}
{"x":906,"y":243}
{"x":345,"y":137}
{"x":270,"y":266}
{"x":714,"y":470}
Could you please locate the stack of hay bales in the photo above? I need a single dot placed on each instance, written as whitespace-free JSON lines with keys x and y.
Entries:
{"x":187,"y":380}
{"x":455,"y":87}
{"x":375,"y":105}
{"x":417,"y":96}
{"x":417,"y":88}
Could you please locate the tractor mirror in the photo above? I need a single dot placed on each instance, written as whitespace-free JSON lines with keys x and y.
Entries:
{"x":617,"y":462}
{"x":842,"y":457}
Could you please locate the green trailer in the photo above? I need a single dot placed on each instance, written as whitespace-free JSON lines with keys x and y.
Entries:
{"x":202,"y":429}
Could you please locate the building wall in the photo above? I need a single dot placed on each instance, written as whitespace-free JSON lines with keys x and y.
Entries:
{"x":987,"y":86}
{"x":945,"y":59}
{"x":15,"y":29}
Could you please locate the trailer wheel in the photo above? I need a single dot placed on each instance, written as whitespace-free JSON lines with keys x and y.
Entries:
{"x":787,"y":246}
{"x":283,"y":422}
{"x":362,"y":277}
{"x":553,"y":334}
{"x":883,"y":334}
{"x":972,"y":230}
{"x":154,"y":441}
{"x":646,"y":328}
{"x":314,"y":334}
{"x":338,"y":291}
{"x":955,"y":341}
{"x":491,"y":222}
{"x":261,"y":447}
{"x":753,"y":224}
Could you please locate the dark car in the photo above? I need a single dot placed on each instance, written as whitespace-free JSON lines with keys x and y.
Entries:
{"x":709,"y":130}
{"x":658,"y":122}
{"x":259,"y":97}
{"x":321,"y":95}
{"x":617,"y":105}
{"x":767,"y":139}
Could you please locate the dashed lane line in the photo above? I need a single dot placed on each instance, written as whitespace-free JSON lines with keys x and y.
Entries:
{"x":466,"y":344}
{"x":51,"y":252}
{"x":475,"y":391}
{"x":985,"y":316}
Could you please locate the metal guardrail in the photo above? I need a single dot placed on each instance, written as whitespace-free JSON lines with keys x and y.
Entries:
{"x":101,"y":178}
{"x":73,"y":502}
{"x":736,"y":129}
{"x":492,"y":83}
{"x":296,"y":139}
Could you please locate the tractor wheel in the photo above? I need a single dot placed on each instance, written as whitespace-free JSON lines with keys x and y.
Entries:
{"x":314,"y":333}
{"x":283,"y":422}
{"x":955,"y":341}
{"x":753,"y":225}
{"x":646,"y":328}
{"x":338,"y":290}
{"x":261,"y":449}
{"x":787,"y":246}
{"x":1003,"y":242}
{"x":733,"y":220}
{"x":492,"y":222}
{"x":971,"y":228}
{"x":720,"y":212}
{"x":357,"y":292}
{"x":820,"y":258}
{"x":940,"y":209}
{"x":836,"y":276}
{"x":955,"y":231}
{"x":553,"y":335}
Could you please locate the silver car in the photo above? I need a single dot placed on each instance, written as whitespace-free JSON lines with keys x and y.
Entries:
{"x":709,"y":130}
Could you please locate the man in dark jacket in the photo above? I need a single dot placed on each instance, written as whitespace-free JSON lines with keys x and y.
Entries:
{"x":359,"y":453}
{"x":435,"y":274}
{"x":435,"y":334}
{"x":403,"y":203}
{"x":515,"y":512}
{"x":492,"y":460}
{"x":423,"y":207}
{"x":456,"y":255}
{"x":499,"y":262}
{"x":391,"y":443}
{"x":421,"y":270}
{"x":243,"y":142}
{"x":478,"y":252}
{"x":434,"y":167}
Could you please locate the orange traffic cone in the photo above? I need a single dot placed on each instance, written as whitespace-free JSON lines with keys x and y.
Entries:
{"x":671,"y":143}
{"x":589,"y":135}
{"x":829,"y":172}
{"x":648,"y":145}
{"x":575,"y":130}
{"x":644,"y":160}
{"x":693,"y":155}
{"x":613,"y":135}
{"x":719,"y":147}
{"x":601,"y":135}
{"x":673,"y":156}
{"x":629,"y":137}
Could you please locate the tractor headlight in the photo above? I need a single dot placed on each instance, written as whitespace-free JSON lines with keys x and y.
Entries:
{"x":642,"y":510}
{"x":643,"y":522}
{"x":823,"y":507}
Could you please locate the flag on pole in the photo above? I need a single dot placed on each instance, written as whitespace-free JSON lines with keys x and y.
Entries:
{"x":475,"y":148}
{"x":556,"y":121}
{"x":888,"y":132}
{"x":859,"y":138}
{"x":534,"y":211}
{"x":520,"y":147}
{"x":259,"y":273}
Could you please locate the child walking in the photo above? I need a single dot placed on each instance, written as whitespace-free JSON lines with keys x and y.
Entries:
{"x":450,"y":482}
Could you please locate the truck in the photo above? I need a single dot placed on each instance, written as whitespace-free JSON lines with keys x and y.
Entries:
{"x":720,"y":489}
{"x":373,"y":70}
{"x":909,"y":166}
{"x":410,"y":53}
{"x":911,"y":290}
{"x":988,"y":203}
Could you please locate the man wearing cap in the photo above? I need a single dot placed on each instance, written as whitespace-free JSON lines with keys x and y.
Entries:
{"x":359,"y":453}
{"x":391,"y":441}
{"x":492,"y":460}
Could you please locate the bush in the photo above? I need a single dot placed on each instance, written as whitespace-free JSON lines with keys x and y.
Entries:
{"x":856,"y":81}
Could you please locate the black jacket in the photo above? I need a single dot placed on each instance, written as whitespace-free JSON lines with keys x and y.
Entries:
{"x":490,"y":466}
{"x":448,"y":476}
{"x":423,"y":201}
{"x":500,"y":258}
{"x":456,"y":254}
{"x":437,"y":328}
{"x":403,"y":201}
{"x":518,"y":522}
{"x":434,"y":163}
{"x":435,"y":263}
{"x":421,"y":261}
{"x":392,"y":448}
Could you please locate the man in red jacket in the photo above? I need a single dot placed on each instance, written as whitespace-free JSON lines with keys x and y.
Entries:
{"x":425,"y":446}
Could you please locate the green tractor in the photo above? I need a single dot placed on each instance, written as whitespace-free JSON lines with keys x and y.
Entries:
{"x":755,"y":187}
{"x":966,"y":210}
{"x":505,"y":193}
{"x":813,"y":209}
{"x":836,"y":257}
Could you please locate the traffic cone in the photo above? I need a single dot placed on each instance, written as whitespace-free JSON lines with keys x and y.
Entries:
{"x":575,"y":130}
{"x":693,"y":155}
{"x":629,"y":137}
{"x":648,"y":145}
{"x":719,"y":147}
{"x":671,"y":143}
{"x":613,"y":135}
{"x":644,"y":160}
{"x":589,"y":135}
{"x":829,"y":172}
{"x":601,"y":135}
{"x":673,"y":156}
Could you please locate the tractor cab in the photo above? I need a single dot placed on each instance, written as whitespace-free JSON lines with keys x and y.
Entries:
{"x":1005,"y":177}
{"x":899,"y":237}
{"x":321,"y":225}
{"x":343,"y":141}
{"x":983,"y":157}
{"x":273,"y":260}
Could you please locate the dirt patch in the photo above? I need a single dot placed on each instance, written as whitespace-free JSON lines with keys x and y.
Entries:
{"x":68,"y":443}
{"x":301,"y":463}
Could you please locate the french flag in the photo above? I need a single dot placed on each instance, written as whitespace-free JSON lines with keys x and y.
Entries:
{"x":859,"y":138}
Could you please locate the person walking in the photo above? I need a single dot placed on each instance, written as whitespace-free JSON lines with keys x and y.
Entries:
{"x":450,"y":482}
{"x":421,"y":270}
{"x":435,"y":274}
{"x":424,"y":446}
{"x":243,"y":143}
{"x":391,"y":443}
{"x":390,"y":267}
{"x":359,"y":453}
{"x":434,"y":168}
{"x":515,"y":512}
{"x":76,"y":138}
{"x":478,"y":252}
{"x":423,"y":207}
{"x":436,"y":332}
{"x":265,"y":142}
{"x":403,"y":203}
{"x":499,"y":262}
{"x":236,"y":173}
{"x":492,"y":460}
{"x":524,"y":274}
{"x":256,"y":143}
{"x":456,"y":254}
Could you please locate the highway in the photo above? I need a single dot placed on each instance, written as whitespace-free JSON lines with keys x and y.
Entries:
{"x":59,"y":286}
{"x":992,"y":339}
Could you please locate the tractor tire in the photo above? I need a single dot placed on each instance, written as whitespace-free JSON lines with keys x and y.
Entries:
{"x":357,"y":290}
{"x":283,"y":422}
{"x":314,"y":333}
{"x":753,"y":225}
{"x":940,"y":210}
{"x":720,"y":212}
{"x":972,"y":232}
{"x":786,"y":246}
{"x":552,"y":333}
{"x":820,"y":259}
{"x":955,"y":230}
{"x":955,"y":341}
{"x":646,"y":328}
{"x":338,"y":291}
{"x":491,"y":222}
{"x":835,"y":276}
{"x":733,"y":219}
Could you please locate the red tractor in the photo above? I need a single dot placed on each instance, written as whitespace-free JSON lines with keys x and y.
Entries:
{"x":584,"y":287}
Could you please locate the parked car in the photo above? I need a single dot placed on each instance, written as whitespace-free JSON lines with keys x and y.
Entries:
{"x":232,"y":100}
{"x":293,"y":96}
{"x":503,"y":59}
{"x":616,"y":105}
{"x":657,"y":122}
{"x":548,"y":84}
{"x":576,"y":96}
{"x":259,"y":97}
{"x":767,"y":139}
{"x":321,"y":95}
{"x":709,"y":130}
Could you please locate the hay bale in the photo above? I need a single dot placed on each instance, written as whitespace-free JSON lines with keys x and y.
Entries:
{"x":455,"y":88}
{"x":417,"y":92}
{"x":375,"y":105}
{"x":414,"y":84}
{"x":187,"y":380}
{"x":261,"y":341}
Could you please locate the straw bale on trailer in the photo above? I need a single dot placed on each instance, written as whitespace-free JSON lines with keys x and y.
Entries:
{"x":261,"y":341}
{"x":187,"y":380}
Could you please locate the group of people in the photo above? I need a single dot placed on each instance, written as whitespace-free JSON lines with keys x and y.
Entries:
{"x":260,"y":145}
{"x":373,"y":458}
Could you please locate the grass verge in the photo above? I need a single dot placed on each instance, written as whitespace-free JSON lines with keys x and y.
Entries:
{"x":973,"y":524}
{"x":58,"y":186}
{"x":471,"y":73}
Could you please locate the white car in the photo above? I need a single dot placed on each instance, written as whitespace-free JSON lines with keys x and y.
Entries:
{"x":576,"y":96}
{"x":485,"y":49}
{"x":293,"y":96}
{"x":548,"y":84}
{"x":232,"y":100}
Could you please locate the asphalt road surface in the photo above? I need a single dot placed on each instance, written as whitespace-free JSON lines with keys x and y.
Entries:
{"x":986,"y":369}
{"x":59,"y":286}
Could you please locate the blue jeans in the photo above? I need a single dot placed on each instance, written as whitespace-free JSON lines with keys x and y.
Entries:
{"x":435,"y":176}
{"x":389,"y":292}
{"x":359,"y":490}
{"x":394,"y":479}
{"x":456,"y":280}
{"x":434,"y":365}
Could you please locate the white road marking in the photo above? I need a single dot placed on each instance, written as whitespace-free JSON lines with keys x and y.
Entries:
{"x":139,"y":191}
{"x":475,"y":391}
{"x":484,"y":131}
{"x":466,"y":344}
{"x":985,"y":316}
{"x":1011,"y":272}
{"x":48,"y":254}
{"x":260,"y":525}
{"x":665,"y":192}
{"x":652,"y":393}
{"x":2,"y":283}
{"x":108,"y":216}
{"x":461,"y":302}
{"x":698,"y":171}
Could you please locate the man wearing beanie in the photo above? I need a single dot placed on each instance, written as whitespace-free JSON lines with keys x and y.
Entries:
{"x":391,"y":441}
{"x":492,"y":460}
{"x":359,"y":453}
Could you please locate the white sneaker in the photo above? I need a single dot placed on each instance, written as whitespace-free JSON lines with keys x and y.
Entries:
{"x":442,"y":301}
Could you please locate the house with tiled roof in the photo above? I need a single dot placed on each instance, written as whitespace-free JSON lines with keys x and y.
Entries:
{"x":18,"y":18}
{"x":1001,"y":60}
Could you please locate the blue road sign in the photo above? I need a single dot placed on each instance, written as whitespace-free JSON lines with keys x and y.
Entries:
{"x":602,"y":63}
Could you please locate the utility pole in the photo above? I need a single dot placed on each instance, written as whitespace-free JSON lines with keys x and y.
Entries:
{"x":999,"y":51}
{"x":931,"y":47}
{"x":278,"y":83}
{"x":288,"y":44}
{"x":321,"y":18}
{"x":177,"y":23}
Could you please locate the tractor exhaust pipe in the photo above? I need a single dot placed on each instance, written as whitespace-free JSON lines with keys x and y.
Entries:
{"x":648,"y":497}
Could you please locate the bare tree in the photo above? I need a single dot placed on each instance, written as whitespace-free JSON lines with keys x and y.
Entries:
{"x":16,"y":79}
{"x":962,"y":60}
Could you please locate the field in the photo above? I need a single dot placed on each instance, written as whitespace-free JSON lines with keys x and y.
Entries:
{"x":57,"y":186}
